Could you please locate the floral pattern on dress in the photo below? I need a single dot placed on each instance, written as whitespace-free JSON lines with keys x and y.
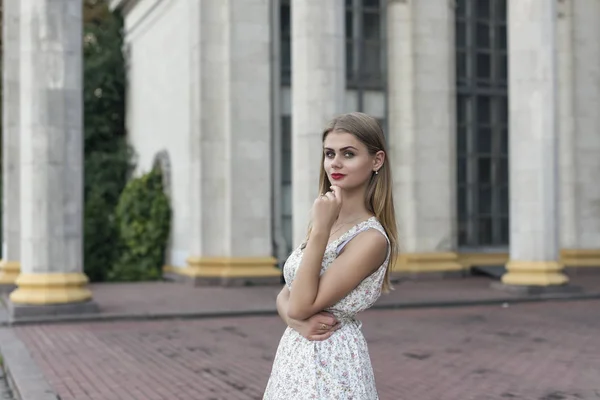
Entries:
{"x":338,"y":368}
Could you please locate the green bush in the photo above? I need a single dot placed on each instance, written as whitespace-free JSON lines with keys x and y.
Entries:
{"x":106,"y":176}
{"x":143,"y":218}
{"x":108,"y":159}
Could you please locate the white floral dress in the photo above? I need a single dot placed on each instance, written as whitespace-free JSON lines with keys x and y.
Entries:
{"x":339,"y":367}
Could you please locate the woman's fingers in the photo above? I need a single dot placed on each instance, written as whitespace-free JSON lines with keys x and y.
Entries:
{"x":327,"y":319}
{"x":323,"y":327}
{"x":323,"y":333}
{"x":337,"y":192}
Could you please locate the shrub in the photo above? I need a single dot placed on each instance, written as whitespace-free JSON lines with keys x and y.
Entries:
{"x":106,"y":176}
{"x":143,"y":218}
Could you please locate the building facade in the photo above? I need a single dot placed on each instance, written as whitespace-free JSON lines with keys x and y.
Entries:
{"x":490,"y":109}
{"x":488,"y":166}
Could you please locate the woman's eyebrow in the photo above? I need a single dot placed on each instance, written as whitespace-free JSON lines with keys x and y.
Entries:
{"x":343,"y":148}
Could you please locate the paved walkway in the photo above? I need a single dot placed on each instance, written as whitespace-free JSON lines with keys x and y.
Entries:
{"x":517,"y":350}
{"x":538,"y":351}
{"x":170,"y":299}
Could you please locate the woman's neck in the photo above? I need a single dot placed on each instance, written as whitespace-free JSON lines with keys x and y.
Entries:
{"x":353,"y":207}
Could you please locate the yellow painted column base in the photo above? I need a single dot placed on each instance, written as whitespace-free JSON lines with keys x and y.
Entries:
{"x":534,"y":273}
{"x":228,"y":267}
{"x":51,"y":288}
{"x":9,"y":271}
{"x":580,"y":257}
{"x":428,"y":262}
{"x":469,"y":260}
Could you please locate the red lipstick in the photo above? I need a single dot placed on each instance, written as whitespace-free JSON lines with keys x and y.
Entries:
{"x":337,"y":177}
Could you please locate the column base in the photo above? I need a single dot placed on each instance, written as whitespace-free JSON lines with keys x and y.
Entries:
{"x":50,"y":289}
{"x":428,"y":265}
{"x":9,"y":271}
{"x":470,"y":260}
{"x":223,"y":271}
{"x":580,"y":258}
{"x":534,"y":273}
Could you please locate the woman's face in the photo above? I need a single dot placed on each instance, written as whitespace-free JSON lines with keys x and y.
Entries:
{"x":347,"y":161}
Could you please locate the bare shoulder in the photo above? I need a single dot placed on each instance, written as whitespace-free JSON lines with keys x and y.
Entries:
{"x":371,"y":241}
{"x":362,"y":255}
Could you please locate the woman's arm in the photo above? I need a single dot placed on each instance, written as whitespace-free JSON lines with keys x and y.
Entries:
{"x":312,"y":292}
{"x":306,"y":282}
{"x":282,"y":304}
{"x":311,"y":328}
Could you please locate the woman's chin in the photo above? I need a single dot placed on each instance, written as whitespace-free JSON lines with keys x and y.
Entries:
{"x":345,"y":186}
{"x":339,"y":183}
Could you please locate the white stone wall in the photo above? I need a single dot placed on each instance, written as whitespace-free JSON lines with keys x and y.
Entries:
{"x":51,"y":137}
{"x":566,"y":123}
{"x":158,"y":103}
{"x":200,"y":89}
{"x":318,"y":81}
{"x":579,"y":101}
{"x":373,"y":102}
{"x":586,"y":85}
{"x":233,"y":165}
{"x":249,"y":130}
{"x":11,"y":204}
{"x":533,"y":131}
{"x":229,"y":109}
{"x":422,"y":126}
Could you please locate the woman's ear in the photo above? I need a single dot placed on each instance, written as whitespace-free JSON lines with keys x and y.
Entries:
{"x":378,"y":160}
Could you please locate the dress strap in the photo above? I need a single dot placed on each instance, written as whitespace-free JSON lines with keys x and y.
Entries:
{"x":360,"y":229}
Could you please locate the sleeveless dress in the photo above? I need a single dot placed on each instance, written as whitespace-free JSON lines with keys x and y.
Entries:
{"x":338,"y":368}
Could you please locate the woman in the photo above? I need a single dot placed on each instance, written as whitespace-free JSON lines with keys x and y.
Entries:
{"x":340,"y":270}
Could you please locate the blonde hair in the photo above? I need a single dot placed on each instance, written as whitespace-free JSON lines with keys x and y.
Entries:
{"x":378,"y":196}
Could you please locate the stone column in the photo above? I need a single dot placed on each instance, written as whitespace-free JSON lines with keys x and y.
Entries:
{"x":579,"y":52}
{"x":11,"y":225}
{"x":422,"y":132}
{"x":230,"y":186}
{"x":533,"y":146}
{"x":51,"y":160}
{"x":318,"y":89}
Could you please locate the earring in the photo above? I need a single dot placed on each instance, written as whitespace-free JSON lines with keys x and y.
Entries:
{"x":376,"y":172}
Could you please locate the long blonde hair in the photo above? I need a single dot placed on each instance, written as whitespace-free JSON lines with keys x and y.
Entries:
{"x":378,"y":196}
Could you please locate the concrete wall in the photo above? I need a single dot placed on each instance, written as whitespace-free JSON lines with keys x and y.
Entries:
{"x":158,"y":103}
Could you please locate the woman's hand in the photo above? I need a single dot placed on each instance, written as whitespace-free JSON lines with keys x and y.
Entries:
{"x":316,"y":328}
{"x":326,"y":209}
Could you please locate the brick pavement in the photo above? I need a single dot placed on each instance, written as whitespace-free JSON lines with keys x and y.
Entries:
{"x":537,"y":351}
{"x":168,"y":299}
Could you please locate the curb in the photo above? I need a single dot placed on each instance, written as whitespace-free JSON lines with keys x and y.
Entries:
{"x":6,"y":322}
{"x":24,"y":376}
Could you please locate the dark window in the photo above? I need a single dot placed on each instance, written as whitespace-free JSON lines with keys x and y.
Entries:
{"x":365,"y":45}
{"x":285,"y":32}
{"x":482,"y":123}
{"x":365,"y":49}
{"x":286,"y":180}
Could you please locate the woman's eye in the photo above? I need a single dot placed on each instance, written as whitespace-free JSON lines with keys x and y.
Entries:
{"x":349,"y":154}
{"x":329,"y":154}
